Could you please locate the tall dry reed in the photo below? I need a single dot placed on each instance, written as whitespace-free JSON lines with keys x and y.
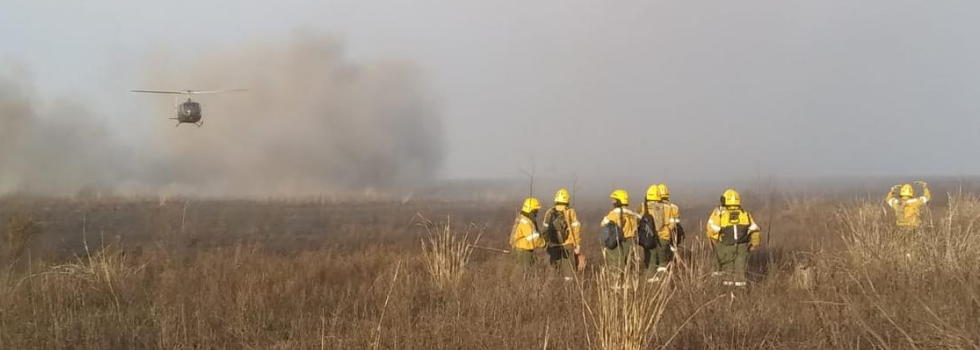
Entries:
{"x":446,"y":252}
{"x":950,"y":244}
{"x":626,"y":310}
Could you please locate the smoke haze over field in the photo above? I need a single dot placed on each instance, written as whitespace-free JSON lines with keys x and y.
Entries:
{"x":663,"y":90}
{"x":52,"y":146}
{"x":312,"y":122}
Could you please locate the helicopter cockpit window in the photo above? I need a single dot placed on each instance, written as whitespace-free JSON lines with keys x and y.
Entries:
{"x":192,"y":107}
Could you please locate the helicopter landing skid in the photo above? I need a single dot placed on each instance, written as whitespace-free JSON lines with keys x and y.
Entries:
{"x":198,"y":124}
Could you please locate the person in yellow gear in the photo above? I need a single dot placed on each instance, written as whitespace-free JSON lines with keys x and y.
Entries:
{"x":673,"y":218}
{"x":524,"y":237}
{"x":562,"y":234}
{"x":733,"y":233}
{"x":721,"y":206}
{"x":619,"y":229}
{"x":658,"y":211}
{"x":908,"y":207}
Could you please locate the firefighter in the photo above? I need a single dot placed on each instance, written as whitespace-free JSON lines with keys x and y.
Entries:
{"x":652,"y":221}
{"x":734,"y":234}
{"x":658,"y":211}
{"x":618,"y":232}
{"x":908,"y":207}
{"x":524,"y":237}
{"x":721,"y":206}
{"x":562,"y":234}
{"x":673,"y":219}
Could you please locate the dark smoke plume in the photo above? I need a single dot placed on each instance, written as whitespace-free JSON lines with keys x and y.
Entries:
{"x":312,"y":122}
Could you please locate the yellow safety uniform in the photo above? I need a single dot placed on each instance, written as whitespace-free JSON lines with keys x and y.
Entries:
{"x":733,"y":225}
{"x":626,"y":219}
{"x":625,"y":254}
{"x":672,"y":216}
{"x":524,"y":235}
{"x":734,"y":234}
{"x":908,"y":210}
{"x":658,"y":201}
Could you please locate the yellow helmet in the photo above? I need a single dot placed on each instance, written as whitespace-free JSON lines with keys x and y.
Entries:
{"x":732,"y":198}
{"x":621,"y":196}
{"x":907,"y":191}
{"x":664,"y":191}
{"x":530,"y":204}
{"x":562,"y":196}
{"x":653,"y":193}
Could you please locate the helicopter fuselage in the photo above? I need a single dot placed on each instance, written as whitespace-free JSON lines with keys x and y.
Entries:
{"x":189,"y":112}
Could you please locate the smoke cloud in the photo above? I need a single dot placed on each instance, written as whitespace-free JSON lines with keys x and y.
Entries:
{"x":312,"y":121}
{"x":52,"y":147}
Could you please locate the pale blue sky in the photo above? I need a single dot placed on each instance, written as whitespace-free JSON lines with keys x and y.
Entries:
{"x":714,"y":88}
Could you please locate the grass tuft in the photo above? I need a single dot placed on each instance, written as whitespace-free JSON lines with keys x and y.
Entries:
{"x":446,"y":252}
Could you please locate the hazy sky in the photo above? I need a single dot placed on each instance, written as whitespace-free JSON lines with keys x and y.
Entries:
{"x":665,"y":89}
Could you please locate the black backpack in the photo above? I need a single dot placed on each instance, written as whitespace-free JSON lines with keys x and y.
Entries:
{"x":679,"y":235}
{"x":611,"y":235}
{"x":557,"y":231}
{"x":646,"y":233}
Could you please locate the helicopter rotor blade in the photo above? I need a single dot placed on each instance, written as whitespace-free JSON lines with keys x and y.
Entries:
{"x":160,"y":92}
{"x":198,"y":92}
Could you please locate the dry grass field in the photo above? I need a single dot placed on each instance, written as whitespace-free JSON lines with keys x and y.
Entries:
{"x":128,"y":273}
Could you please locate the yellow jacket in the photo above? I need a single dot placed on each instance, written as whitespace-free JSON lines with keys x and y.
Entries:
{"x":671,"y":216}
{"x":908,"y":210}
{"x":711,"y":228}
{"x":722,"y":223}
{"x":574,"y":234}
{"x":625,"y":218}
{"x":524,"y":235}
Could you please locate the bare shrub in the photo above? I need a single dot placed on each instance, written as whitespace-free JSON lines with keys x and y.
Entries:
{"x":446,"y":252}
{"x":803,"y":277}
{"x":866,"y":234}
{"x":955,"y":242}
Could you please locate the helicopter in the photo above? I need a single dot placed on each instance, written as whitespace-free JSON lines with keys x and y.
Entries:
{"x":188,"y":112}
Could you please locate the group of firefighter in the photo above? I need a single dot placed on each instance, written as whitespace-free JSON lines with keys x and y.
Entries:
{"x":646,"y":239}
